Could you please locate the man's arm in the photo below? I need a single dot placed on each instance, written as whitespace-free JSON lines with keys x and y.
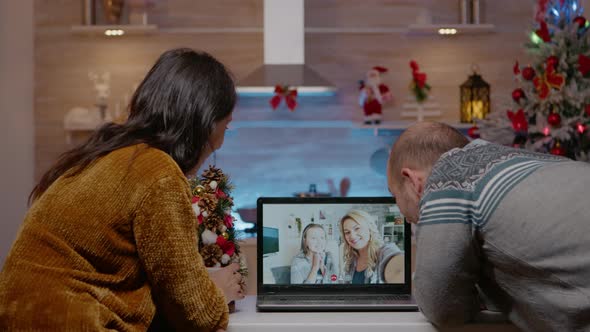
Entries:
{"x":447,"y":267}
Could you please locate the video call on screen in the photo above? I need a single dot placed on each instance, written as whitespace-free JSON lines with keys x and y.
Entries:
{"x":311,"y":244}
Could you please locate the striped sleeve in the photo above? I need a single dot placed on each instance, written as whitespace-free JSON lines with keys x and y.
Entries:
{"x":475,"y":207}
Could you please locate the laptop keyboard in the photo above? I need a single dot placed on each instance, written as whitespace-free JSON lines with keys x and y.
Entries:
{"x":335,"y":299}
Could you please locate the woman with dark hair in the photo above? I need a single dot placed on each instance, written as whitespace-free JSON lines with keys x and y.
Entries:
{"x":110,"y":237}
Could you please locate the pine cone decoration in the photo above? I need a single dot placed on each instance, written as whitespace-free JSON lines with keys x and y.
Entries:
{"x":213,"y":174}
{"x":208,"y":202}
{"x":212,"y":222}
{"x":211,"y":254}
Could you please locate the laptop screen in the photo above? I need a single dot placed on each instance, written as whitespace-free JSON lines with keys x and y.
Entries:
{"x":331,"y":242}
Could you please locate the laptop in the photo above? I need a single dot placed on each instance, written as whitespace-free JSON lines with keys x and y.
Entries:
{"x":306,"y":255}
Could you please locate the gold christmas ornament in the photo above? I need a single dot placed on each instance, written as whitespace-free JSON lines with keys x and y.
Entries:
{"x":225,"y":235}
{"x":199,"y":190}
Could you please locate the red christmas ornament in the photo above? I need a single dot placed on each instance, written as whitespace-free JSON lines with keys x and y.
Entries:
{"x":554,"y":119}
{"x":552,"y":61}
{"x":528,"y":73}
{"x":557,"y":150}
{"x":473,"y":132}
{"x":581,"y":21}
{"x":517,"y":95}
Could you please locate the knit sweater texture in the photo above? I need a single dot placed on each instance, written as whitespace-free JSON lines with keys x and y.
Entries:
{"x":108,"y":248}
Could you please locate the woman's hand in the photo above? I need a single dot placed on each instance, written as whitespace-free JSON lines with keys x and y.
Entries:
{"x":229,"y":280}
{"x":322,"y":263}
{"x":317,"y":262}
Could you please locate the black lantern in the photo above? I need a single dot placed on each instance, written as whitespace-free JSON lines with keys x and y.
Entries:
{"x":475,"y":98}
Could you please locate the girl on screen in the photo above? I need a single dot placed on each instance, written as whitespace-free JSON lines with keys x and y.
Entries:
{"x":367,"y":260}
{"x":313,"y":264}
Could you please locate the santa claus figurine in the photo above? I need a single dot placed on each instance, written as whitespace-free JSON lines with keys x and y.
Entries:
{"x":373,"y":95}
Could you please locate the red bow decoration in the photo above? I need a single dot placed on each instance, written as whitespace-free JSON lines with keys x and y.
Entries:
{"x":289,"y":94}
{"x":419,"y":78}
{"x":228,"y":247}
{"x":584,"y":64}
{"x":519,"y":121}
{"x":543,"y":32}
{"x":550,"y":79}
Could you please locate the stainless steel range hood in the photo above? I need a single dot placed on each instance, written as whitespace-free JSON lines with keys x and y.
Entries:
{"x":284,"y":54}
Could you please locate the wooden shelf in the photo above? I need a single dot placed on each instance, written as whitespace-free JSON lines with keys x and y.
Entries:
{"x":460,"y":29}
{"x":101,"y":30}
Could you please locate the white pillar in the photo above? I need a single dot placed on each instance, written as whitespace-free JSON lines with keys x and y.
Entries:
{"x":284,"y":32}
{"x":16,"y":110}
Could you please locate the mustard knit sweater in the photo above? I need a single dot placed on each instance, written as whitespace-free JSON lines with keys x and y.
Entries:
{"x":106,"y":248}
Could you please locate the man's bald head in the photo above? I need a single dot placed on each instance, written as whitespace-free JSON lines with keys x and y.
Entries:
{"x":420,"y":146}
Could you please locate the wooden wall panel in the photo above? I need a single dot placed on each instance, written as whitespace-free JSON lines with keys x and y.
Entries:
{"x":207,"y":14}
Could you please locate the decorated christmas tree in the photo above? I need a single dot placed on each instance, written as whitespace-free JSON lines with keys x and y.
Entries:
{"x":551,"y":109}
{"x":212,"y":203}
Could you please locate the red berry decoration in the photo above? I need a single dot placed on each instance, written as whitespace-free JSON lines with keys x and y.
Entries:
{"x":473,"y":132}
{"x":581,"y":21}
{"x":528,"y":73}
{"x":517,"y":94}
{"x":554,"y":119}
{"x":552,"y":61}
{"x":557,"y":150}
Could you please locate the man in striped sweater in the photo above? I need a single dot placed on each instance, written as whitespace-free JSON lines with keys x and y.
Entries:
{"x":513,"y":223}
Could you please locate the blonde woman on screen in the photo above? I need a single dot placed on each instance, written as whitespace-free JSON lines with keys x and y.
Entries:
{"x":367,"y":259}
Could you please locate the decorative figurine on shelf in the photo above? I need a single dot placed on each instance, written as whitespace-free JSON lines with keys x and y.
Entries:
{"x":373,"y":94}
{"x":420,"y":104}
{"x":102,"y":86}
{"x":284,"y":92}
{"x":418,"y":85}
{"x":218,"y":238}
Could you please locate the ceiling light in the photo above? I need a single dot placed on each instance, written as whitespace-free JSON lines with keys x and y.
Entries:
{"x":447,"y":31}
{"x":114,"y":32}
